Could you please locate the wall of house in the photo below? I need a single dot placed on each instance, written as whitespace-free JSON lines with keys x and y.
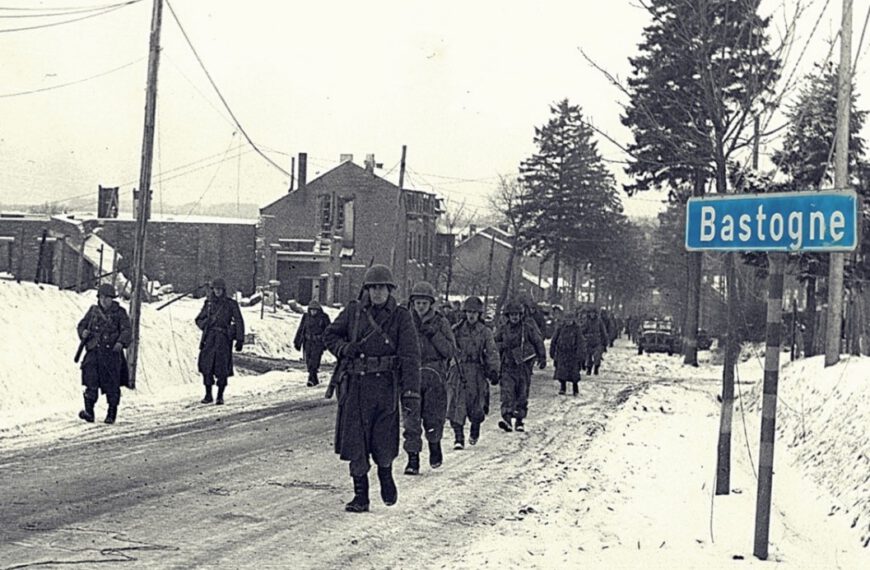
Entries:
{"x":189,"y":254}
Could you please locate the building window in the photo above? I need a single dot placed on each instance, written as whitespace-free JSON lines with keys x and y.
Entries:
{"x":325,"y":213}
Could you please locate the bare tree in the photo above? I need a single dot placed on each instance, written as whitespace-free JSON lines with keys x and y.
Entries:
{"x":456,"y":217}
{"x":509,"y":202}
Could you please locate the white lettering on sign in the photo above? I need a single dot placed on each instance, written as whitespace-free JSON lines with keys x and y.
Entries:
{"x":838,"y":222}
{"x":795,"y":225}
{"x":817,"y":219}
{"x":745,"y":230}
{"x":775,"y":227}
{"x":708,"y":225}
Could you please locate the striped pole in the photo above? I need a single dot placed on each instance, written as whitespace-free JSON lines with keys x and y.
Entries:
{"x":768,"y":408}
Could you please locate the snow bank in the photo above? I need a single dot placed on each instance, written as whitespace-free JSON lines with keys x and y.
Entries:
{"x":39,"y":381}
{"x":823,"y":415}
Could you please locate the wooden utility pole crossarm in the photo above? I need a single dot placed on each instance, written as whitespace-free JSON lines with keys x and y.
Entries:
{"x":144,"y":189}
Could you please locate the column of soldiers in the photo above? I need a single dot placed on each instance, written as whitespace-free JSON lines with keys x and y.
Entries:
{"x":398,"y":366}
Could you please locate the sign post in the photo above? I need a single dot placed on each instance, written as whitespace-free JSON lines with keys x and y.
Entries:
{"x":775,"y":223}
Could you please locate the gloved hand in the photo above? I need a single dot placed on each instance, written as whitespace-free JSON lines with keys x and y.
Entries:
{"x":542,"y":363}
{"x":86,"y":333}
{"x":118,"y":347}
{"x":351,"y":350}
{"x":239,"y":345}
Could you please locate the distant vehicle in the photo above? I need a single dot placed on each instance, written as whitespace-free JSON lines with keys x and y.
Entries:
{"x":658,"y":335}
{"x":705,"y":341}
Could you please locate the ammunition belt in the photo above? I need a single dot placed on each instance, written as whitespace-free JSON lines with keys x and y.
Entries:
{"x":372,"y":364}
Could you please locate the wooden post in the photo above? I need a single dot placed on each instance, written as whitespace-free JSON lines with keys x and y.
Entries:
{"x":794,"y":316}
{"x":20,"y":271}
{"x":63,"y":245}
{"x":841,"y":181}
{"x":80,"y":265}
{"x":768,"y":407}
{"x":115,"y":268}
{"x":40,"y":266}
{"x":100,"y":272}
{"x":144,"y":189}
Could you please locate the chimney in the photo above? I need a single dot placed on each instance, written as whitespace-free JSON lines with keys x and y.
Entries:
{"x":292,"y":173}
{"x":107,"y":202}
{"x":342,"y":158}
{"x":303,"y":170}
{"x":472,"y":229}
{"x":370,"y":163}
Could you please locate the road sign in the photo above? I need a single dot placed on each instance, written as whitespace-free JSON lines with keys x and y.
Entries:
{"x":786,"y":221}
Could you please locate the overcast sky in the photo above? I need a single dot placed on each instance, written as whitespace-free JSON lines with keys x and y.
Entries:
{"x":463,"y":84}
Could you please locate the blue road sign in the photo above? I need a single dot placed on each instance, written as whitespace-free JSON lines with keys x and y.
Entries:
{"x":787,"y":221}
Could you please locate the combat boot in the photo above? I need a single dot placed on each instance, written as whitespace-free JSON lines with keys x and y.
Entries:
{"x":505,"y":424}
{"x":312,"y":379}
{"x":111,"y":414}
{"x":220,"y":396}
{"x":595,"y":370}
{"x":575,"y":389}
{"x":474,"y":433}
{"x":459,"y":441}
{"x":208,"y":397}
{"x":413,"y":466}
{"x":561,"y":387}
{"x":436,"y":458}
{"x":389,"y":492}
{"x":520,"y":426}
{"x":360,"y":501}
{"x":88,"y":413}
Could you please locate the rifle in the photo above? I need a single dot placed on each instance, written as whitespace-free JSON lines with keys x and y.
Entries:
{"x":338,"y":372}
{"x":183,"y":295}
{"x":84,"y":341}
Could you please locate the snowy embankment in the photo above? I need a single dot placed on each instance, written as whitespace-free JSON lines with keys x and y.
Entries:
{"x":642,"y":494}
{"x":40,"y":385}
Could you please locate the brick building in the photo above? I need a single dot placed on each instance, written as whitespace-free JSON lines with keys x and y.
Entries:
{"x":77,"y":249}
{"x":318,"y":239}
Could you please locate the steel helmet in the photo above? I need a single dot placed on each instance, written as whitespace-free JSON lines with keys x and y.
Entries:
{"x":472,"y":304}
{"x":314,"y":304}
{"x":218,"y":283}
{"x":379,"y":275}
{"x":513,"y":307}
{"x":106,"y":290}
{"x":422,"y":289}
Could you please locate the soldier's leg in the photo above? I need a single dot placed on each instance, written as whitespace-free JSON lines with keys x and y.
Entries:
{"x":434,"y":413}
{"x":522,"y":396}
{"x":221,"y":386}
{"x":90,"y":397}
{"x":575,"y":389}
{"x":208,"y":382}
{"x":313,"y":356}
{"x":412,"y":433}
{"x":508,"y":398}
{"x":359,"y":472}
{"x":562,"y":387}
{"x":113,"y":398}
{"x":476,"y":397}
{"x":599,"y":350}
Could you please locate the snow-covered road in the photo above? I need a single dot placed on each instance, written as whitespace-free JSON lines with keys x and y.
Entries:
{"x":619,"y":477}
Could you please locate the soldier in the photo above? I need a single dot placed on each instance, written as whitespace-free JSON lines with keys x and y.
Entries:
{"x":309,"y":339}
{"x":437,"y":347}
{"x":379,"y":366}
{"x":221,"y":322}
{"x":105,"y":331}
{"x":519,"y":343}
{"x":477,"y":360}
{"x":568,"y":351}
{"x":595,"y":333}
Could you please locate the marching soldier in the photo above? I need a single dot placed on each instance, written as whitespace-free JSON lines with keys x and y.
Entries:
{"x":379,"y":366}
{"x":595,"y":333}
{"x":105,"y":331}
{"x":221,"y":322}
{"x":437,"y":347}
{"x":519,"y":342}
{"x":309,"y":339}
{"x":477,"y":360}
{"x":568,"y":351}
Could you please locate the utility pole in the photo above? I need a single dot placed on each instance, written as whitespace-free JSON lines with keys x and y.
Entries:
{"x":768,"y":406}
{"x":489,"y":272}
{"x":841,"y":182}
{"x":144,"y":189}
{"x":398,"y":213}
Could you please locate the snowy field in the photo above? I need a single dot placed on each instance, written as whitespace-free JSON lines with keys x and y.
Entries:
{"x":637,"y":493}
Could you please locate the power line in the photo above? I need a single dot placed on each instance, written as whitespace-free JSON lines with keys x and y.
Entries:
{"x":56,"y":12}
{"x":72,"y":20}
{"x":76,"y":82}
{"x":210,"y":182}
{"x":219,"y":94}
